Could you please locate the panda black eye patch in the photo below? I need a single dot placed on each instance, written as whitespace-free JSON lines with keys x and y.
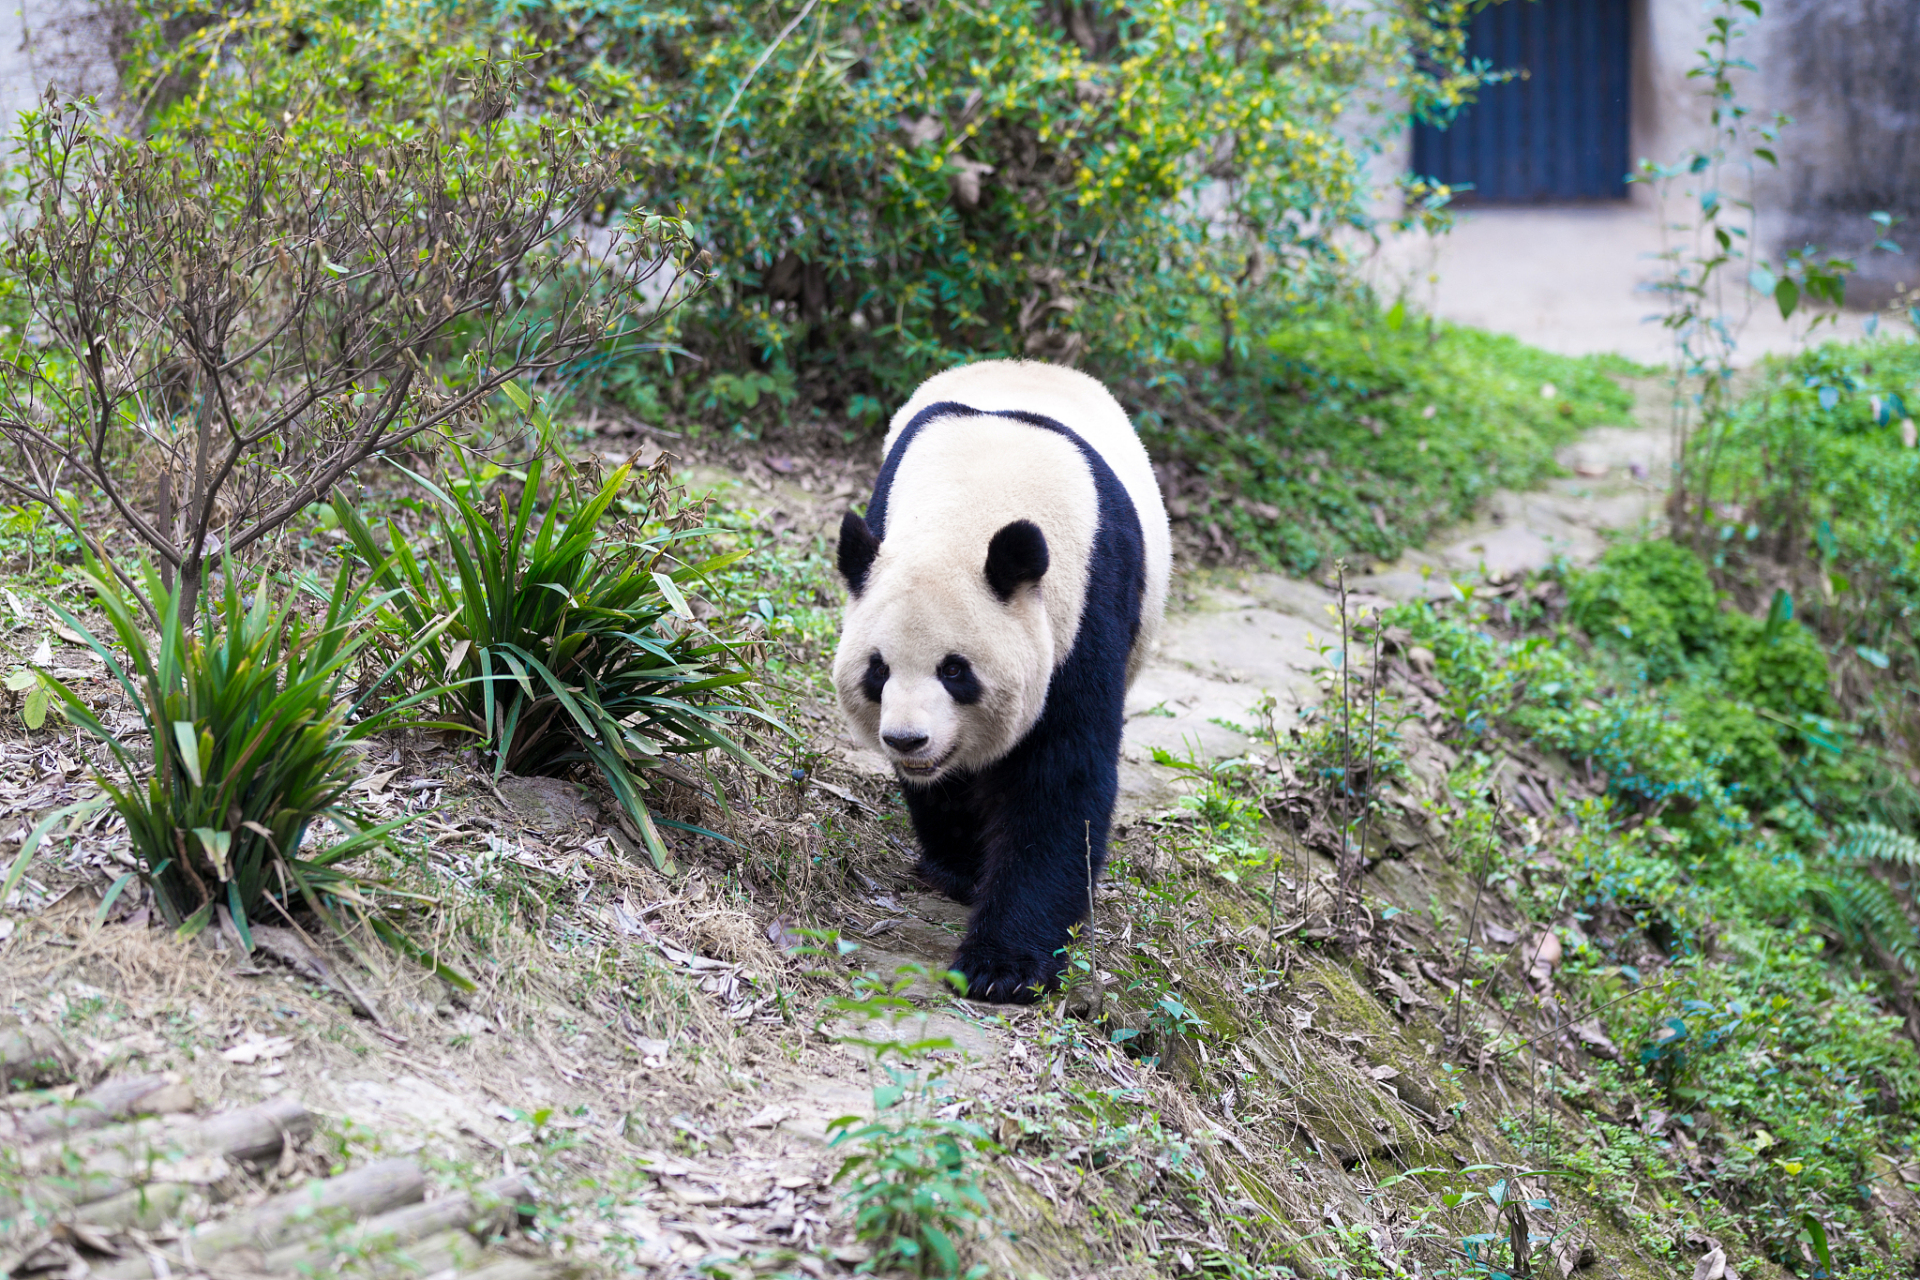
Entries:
{"x":876,"y":678}
{"x":956,"y":675}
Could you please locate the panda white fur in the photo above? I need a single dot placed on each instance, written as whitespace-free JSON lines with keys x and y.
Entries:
{"x":1006,"y":585}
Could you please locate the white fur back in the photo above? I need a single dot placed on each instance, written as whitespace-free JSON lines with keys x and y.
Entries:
{"x":1085,"y":407}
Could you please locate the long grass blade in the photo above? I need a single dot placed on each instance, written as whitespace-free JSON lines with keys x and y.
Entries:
{"x":112,"y":896}
{"x":400,"y":941}
{"x":31,"y":846}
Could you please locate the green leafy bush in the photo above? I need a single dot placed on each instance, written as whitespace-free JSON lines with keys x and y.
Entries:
{"x":1689,"y":703}
{"x":563,"y":646}
{"x":1748,"y":698}
{"x":887,"y":188}
{"x":1652,"y":597}
{"x":1777,"y":664}
{"x":1655,"y":601}
{"x":251,"y":745}
{"x":890,"y":188}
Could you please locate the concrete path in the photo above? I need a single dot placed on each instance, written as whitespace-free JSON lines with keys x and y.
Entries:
{"x":1571,"y":279}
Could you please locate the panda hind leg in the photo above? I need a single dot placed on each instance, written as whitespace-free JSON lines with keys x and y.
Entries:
{"x":952,"y":853}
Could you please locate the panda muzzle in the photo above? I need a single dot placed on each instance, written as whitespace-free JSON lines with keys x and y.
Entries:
{"x":920,"y":768}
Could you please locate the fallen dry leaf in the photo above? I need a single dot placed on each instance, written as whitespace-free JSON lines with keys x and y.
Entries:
{"x":769,"y":1117}
{"x":256,"y":1047}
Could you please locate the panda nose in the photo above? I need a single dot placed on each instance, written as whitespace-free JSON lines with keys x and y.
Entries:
{"x":905,"y":743}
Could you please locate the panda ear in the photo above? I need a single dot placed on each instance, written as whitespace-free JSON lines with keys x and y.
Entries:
{"x":858,"y":547}
{"x":1017,"y":555}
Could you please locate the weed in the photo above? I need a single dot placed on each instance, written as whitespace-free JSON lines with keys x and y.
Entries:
{"x":915,"y":1194}
{"x":1513,"y":1248}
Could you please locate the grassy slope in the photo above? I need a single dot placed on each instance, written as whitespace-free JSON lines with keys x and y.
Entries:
{"x":1247,"y":1106}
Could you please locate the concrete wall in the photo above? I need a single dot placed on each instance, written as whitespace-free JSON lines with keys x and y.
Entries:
{"x":1848,"y":71}
{"x":42,"y":42}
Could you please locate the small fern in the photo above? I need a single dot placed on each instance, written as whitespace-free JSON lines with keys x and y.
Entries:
{"x":1868,"y":910}
{"x":1868,"y":842}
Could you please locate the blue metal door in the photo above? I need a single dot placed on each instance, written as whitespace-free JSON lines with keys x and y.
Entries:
{"x":1558,"y":129}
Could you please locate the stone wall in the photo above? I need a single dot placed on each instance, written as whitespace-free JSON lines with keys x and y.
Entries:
{"x":1848,"y":71}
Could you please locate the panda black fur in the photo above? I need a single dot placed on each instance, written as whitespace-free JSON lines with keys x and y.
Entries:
{"x":1007,"y":583}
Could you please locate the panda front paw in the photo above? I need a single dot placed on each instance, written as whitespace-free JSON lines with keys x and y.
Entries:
{"x":1002,"y":979}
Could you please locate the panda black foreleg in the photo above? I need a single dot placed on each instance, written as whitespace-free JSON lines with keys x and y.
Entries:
{"x":1046,"y":834}
{"x":947,"y":821}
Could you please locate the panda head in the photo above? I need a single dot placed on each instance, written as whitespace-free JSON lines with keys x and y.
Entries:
{"x":943,"y":666}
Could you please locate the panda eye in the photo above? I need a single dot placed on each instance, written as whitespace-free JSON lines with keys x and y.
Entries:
{"x":956,"y":673}
{"x":875,"y":680}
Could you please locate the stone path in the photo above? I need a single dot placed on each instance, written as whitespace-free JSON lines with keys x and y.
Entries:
{"x":1237,"y":638}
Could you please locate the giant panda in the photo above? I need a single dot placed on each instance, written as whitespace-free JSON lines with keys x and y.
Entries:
{"x":1005,"y":586}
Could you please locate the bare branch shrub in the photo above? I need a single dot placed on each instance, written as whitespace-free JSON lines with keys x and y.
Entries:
{"x":222,"y":332}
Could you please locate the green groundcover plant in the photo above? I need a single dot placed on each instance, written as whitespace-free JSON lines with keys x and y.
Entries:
{"x":1816,"y":472}
{"x":1738,"y":906}
{"x":560,"y":645}
{"x":252,"y":745}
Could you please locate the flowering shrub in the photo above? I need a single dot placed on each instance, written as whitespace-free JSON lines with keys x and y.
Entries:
{"x":891,"y":186}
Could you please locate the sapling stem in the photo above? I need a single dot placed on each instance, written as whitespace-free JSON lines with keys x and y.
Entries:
{"x":1473,"y":918}
{"x":1373,"y":744}
{"x":1342,"y":914}
{"x":1273,"y":911}
{"x":1099,"y":998}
